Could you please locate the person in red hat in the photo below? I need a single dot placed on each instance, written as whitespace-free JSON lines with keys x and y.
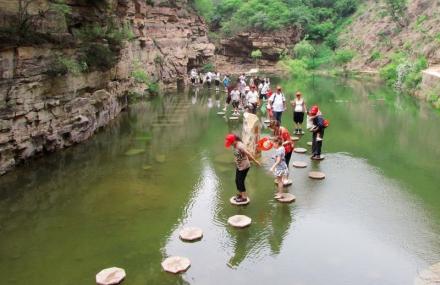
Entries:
{"x":317,"y":130}
{"x":241,"y":156}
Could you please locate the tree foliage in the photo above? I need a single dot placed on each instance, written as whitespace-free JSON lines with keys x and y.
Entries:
{"x":317,"y":18}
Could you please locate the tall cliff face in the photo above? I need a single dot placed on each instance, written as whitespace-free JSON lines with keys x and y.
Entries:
{"x":41,"y":111}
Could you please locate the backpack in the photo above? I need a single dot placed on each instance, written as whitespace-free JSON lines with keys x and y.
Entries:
{"x":326,"y":123}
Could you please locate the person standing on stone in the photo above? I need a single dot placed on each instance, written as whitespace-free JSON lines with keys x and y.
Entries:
{"x":278,"y":104}
{"x":317,"y":131}
{"x":283,"y":134}
{"x":235,"y":100}
{"x":252,"y":99}
{"x":279,"y":168}
{"x":208,"y":79}
{"x":217,"y":81}
{"x":242,"y":157}
{"x":299,"y":108}
{"x":226,"y":82}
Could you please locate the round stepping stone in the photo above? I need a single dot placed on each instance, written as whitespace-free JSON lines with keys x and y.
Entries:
{"x":287,"y":198}
{"x":322,"y":157}
{"x":310,"y":143}
{"x":430,"y":276}
{"x":266,"y":121}
{"x":300,"y":150}
{"x":287,"y":182}
{"x":233,"y":202}
{"x":110,"y":276}
{"x":233,"y":118}
{"x":176,"y":264}
{"x":135,"y":151}
{"x":239,"y":221}
{"x":316,"y":175}
{"x":299,"y":164}
{"x":295,"y":138}
{"x":221,"y":113}
{"x":191,"y":234}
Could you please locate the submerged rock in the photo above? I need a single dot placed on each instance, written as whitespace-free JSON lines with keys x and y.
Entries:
{"x":161,"y":158}
{"x":134,"y":151}
{"x":191,"y":234}
{"x":176,"y":264}
{"x":239,"y":221}
{"x":110,"y":276}
{"x":300,"y":150}
{"x":430,"y":276}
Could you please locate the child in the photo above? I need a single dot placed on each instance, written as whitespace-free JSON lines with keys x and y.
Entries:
{"x":312,"y":116}
{"x":242,"y":162}
{"x":279,"y":168}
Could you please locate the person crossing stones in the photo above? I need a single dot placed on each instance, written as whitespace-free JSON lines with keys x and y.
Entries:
{"x":299,"y":108}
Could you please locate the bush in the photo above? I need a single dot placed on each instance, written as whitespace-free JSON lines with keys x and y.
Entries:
{"x":208,"y":67}
{"x":375,"y":55}
{"x":256,"y":54}
{"x":63,"y":65}
{"x":295,"y":67}
{"x":99,"y":56}
{"x":304,"y":49}
{"x":139,"y":75}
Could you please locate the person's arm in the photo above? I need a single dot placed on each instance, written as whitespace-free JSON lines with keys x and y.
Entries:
{"x":278,"y":160}
{"x":251,"y":157}
{"x":304,"y":107}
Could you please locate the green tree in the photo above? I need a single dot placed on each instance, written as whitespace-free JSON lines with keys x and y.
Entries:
{"x":397,"y":11}
{"x":256,"y":55}
{"x":343,"y":57}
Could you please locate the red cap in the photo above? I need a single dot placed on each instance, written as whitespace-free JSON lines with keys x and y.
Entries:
{"x":314,"y":110}
{"x":229,"y":140}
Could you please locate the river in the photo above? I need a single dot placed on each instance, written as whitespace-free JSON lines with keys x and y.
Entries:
{"x":120,"y":198}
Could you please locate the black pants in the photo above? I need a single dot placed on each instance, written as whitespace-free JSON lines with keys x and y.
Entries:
{"x":317,"y":145}
{"x":287,"y":157}
{"x":277,"y":116}
{"x":240,"y":176}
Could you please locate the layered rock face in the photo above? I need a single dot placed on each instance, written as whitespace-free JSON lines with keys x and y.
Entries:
{"x":237,"y":49}
{"x":41,"y":113}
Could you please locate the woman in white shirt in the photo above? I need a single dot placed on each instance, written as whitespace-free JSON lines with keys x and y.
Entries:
{"x":299,"y":108}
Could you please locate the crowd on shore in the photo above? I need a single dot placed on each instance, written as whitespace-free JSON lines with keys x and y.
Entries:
{"x":253,"y":94}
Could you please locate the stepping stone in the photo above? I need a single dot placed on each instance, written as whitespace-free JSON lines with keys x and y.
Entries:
{"x":110,"y":276}
{"x":288,"y":182}
{"x":176,"y":264}
{"x":322,"y":157}
{"x":299,"y":164}
{"x":233,"y":118}
{"x":295,"y":138}
{"x":134,"y":151}
{"x":286,"y":198}
{"x":160,"y":158}
{"x":191,"y":234}
{"x":221,"y":113}
{"x":147,"y":167}
{"x":233,"y":202}
{"x":300,"y":150}
{"x":316,"y":175}
{"x":430,"y":276}
{"x":266,"y":121}
{"x":239,"y":221}
{"x":310,"y":143}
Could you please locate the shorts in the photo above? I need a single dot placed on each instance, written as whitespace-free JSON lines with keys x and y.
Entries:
{"x":235,"y":104}
{"x":263,"y":96}
{"x":217,"y":83}
{"x":298,"y":117}
{"x":193,"y":80}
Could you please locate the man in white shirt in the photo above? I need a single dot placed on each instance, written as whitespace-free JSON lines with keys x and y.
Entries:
{"x":235,"y":100}
{"x":252,"y":99}
{"x":278,"y":103}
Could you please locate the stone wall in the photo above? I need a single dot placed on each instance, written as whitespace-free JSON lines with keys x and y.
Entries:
{"x":41,"y":113}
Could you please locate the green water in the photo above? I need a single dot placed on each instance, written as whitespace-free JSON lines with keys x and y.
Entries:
{"x":121,"y":198}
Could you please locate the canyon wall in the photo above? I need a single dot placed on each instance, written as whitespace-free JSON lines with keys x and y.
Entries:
{"x":42,"y":111}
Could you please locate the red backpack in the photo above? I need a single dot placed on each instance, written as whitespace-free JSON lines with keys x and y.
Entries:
{"x":326,"y":123}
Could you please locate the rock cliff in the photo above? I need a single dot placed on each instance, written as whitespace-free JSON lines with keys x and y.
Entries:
{"x":236,"y":51}
{"x":42,"y":111}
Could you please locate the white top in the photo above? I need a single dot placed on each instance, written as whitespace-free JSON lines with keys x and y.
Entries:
{"x":265,"y":88}
{"x":217,"y":77}
{"x":235,"y":95}
{"x":299,"y":105}
{"x":252,"y":97}
{"x":277,"y":101}
{"x":193,"y":73}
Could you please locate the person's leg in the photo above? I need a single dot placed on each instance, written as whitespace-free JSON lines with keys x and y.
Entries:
{"x":280,"y":187}
{"x":314,"y":146}
{"x":288,"y":156}
{"x":300,"y":122}
{"x":243,"y":174}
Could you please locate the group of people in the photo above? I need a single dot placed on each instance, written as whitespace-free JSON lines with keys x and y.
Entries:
{"x":249,"y":98}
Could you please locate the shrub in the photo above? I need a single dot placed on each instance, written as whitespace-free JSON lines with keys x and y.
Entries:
{"x":139,"y":75}
{"x":295,"y":67}
{"x":208,"y":67}
{"x":343,"y":57}
{"x":304,"y":49}
{"x":63,"y":65}
{"x":375,"y":55}
{"x":99,"y":56}
{"x":256,"y":54}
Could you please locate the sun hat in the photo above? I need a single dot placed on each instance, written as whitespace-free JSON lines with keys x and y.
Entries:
{"x":229,"y":140}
